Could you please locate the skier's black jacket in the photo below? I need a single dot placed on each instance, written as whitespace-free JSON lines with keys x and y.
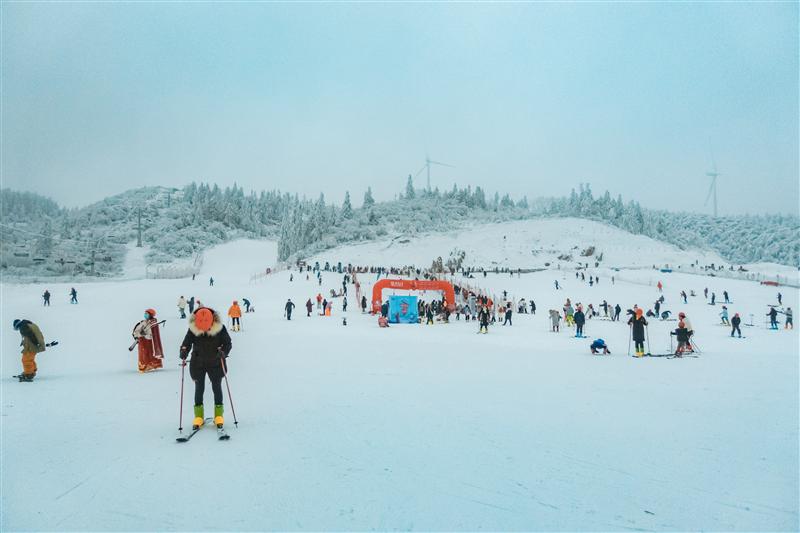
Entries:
{"x":205,"y":345}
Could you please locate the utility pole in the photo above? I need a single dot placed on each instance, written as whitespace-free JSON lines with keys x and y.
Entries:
{"x":92,"y":271}
{"x":139,"y":241}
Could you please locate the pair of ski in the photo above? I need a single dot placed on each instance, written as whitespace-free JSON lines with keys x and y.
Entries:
{"x":667,"y":355}
{"x":221,"y":433}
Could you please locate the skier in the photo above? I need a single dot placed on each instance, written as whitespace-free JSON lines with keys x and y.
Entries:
{"x":148,"y":340}
{"x":309,"y":307}
{"x":73,"y":296}
{"x":657,"y":307}
{"x":713,"y":298}
{"x":705,"y":293}
{"x":735,"y":321}
{"x":288,"y":307}
{"x":788,"y":322}
{"x":724,"y":316}
{"x":182,"y":306}
{"x":780,"y":299}
{"x":211,"y":282}
{"x":682,"y":336}
{"x":483,"y":317}
{"x":617,"y":311}
{"x":682,"y":317}
{"x":319,"y":300}
{"x":533,"y":307}
{"x":210,"y":344}
{"x":363,"y":304}
{"x":773,"y":318}
{"x":429,"y":314}
{"x":580,"y":320}
{"x":46,"y":297}
{"x":32,"y":343}
{"x":555,"y":319}
{"x":191,"y":305}
{"x":235,"y":314}
{"x":344,"y":304}
{"x":597,"y":345}
{"x":568,"y":313}
{"x":637,"y":324}
{"x":385,"y":309}
{"x":508,"y":315}
{"x":604,"y":305}
{"x":725,"y":295}
{"x":683,"y":295}
{"x":246,"y":303}
{"x":660,"y":287}
{"x":556,"y":282}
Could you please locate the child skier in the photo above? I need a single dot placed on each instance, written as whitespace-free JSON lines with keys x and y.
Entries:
{"x":182,"y":306}
{"x":724,"y":316}
{"x":148,"y":339}
{"x":235,"y":314}
{"x":682,"y":336}
{"x":210,"y":344}
{"x":637,"y":324}
{"x":597,"y":345}
{"x":580,"y":320}
{"x":32,"y":343}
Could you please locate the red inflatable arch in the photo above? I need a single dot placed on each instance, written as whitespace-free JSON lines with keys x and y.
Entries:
{"x":412,"y":285}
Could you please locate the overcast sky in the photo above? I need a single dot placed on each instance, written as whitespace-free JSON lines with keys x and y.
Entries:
{"x":528,"y":99}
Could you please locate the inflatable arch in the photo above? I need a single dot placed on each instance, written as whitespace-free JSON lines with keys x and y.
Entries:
{"x":412,"y":285}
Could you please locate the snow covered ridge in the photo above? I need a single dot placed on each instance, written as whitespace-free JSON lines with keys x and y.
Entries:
{"x":41,"y":240}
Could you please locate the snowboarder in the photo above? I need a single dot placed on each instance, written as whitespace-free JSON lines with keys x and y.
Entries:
{"x":580,"y":320}
{"x":209,"y":343}
{"x":789,"y":324}
{"x":235,"y":314}
{"x":73,"y":296}
{"x":773,"y":318}
{"x":246,"y":303}
{"x":211,"y":282}
{"x":597,"y":345}
{"x":32,"y":343}
{"x":555,"y":319}
{"x":724,"y":316}
{"x":735,"y":322}
{"x":309,"y":307}
{"x":46,"y":298}
{"x":288,"y":307}
{"x":148,"y":339}
{"x":182,"y":306}
{"x":637,"y":324}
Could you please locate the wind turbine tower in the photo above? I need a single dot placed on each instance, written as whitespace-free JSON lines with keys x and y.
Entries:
{"x":427,"y":166}
{"x":713,"y":189}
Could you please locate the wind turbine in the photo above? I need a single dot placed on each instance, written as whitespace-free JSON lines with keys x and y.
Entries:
{"x":713,"y":189}
{"x":427,"y":166}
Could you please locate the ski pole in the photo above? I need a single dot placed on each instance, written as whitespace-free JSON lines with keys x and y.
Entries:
{"x":647,"y":335}
{"x":630,"y":334}
{"x":227,"y":386}
{"x":180,"y":410}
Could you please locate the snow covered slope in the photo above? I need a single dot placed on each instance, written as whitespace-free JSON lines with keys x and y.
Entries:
{"x":412,"y":427}
{"x":523,"y":244}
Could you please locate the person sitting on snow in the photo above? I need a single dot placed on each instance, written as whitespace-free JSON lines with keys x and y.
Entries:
{"x":599,"y":344}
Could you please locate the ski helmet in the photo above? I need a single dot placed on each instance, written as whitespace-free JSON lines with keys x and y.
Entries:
{"x":17,"y":323}
{"x":151,"y":312}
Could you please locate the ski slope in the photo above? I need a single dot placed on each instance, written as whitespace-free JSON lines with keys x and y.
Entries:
{"x":412,"y":427}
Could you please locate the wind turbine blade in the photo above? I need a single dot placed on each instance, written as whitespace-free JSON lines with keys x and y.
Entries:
{"x":710,"y":190}
{"x":438,"y":163}
{"x":420,"y":170}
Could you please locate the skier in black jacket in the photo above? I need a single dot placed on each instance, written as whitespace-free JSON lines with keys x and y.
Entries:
{"x":638,"y":323}
{"x":580,"y":320}
{"x":735,"y":321}
{"x":210,"y":344}
{"x":288,"y":307}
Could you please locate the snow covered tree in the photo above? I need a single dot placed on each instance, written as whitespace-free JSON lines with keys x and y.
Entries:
{"x":369,"y":201}
{"x":410,"y":194}
{"x":347,"y":208}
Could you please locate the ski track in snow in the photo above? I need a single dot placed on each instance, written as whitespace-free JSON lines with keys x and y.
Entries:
{"x":411,"y":427}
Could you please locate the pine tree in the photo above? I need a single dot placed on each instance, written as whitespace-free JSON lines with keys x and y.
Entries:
{"x":410,"y":194}
{"x":369,"y":201}
{"x":347,"y":208}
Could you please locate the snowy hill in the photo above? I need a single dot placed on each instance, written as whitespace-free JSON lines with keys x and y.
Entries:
{"x":412,"y":427}
{"x":525,"y":244}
